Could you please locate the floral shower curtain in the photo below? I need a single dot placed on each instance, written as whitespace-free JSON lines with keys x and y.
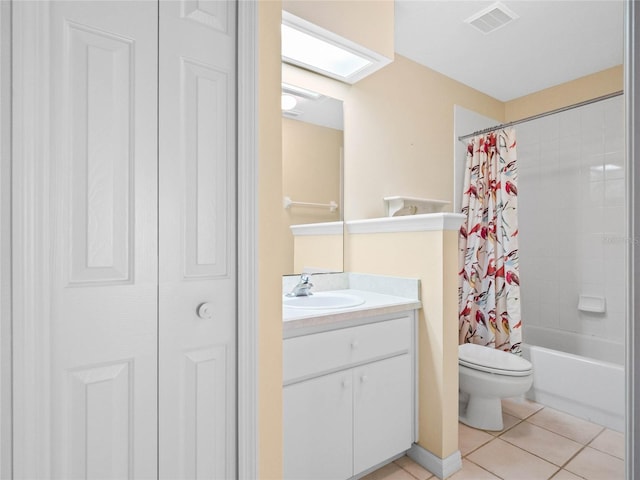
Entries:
{"x":489,"y":286}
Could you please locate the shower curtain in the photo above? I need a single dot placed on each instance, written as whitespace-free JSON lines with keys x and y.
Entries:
{"x":489,"y":286}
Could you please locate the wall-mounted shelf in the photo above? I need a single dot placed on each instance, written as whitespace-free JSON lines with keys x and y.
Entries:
{"x":395,"y":206}
{"x":288,"y":203}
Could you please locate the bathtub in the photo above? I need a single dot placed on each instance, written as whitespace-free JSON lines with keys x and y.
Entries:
{"x":583,"y":387}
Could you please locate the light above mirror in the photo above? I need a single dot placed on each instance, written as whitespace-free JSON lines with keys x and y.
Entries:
{"x":314,"y":52}
{"x":311,"y":47}
{"x":311,"y":107}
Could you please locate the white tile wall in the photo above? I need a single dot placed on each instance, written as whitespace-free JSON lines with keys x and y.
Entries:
{"x":572,"y":223}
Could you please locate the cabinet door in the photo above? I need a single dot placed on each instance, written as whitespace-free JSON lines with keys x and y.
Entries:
{"x":382,"y":411}
{"x":318,"y":428}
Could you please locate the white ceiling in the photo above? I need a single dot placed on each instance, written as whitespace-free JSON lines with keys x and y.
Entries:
{"x":552,"y":42}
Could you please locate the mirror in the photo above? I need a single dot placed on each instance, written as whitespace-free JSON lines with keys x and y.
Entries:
{"x":312,"y":158}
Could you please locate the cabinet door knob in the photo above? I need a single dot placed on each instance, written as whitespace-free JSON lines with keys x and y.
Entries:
{"x":364,"y":378}
{"x":354,"y":344}
{"x":346,"y":383}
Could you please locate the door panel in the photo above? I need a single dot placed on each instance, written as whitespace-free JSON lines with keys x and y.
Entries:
{"x":101,"y":104}
{"x":197,"y":239}
{"x":204,"y":126}
{"x":102,"y":348}
{"x":100,"y":399}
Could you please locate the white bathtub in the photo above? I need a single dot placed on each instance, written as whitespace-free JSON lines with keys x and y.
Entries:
{"x":581,"y":386}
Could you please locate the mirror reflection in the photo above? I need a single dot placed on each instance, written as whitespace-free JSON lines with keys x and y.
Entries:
{"x":312,"y":157}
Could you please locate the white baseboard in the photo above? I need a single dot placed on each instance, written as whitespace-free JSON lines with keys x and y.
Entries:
{"x":440,"y":467}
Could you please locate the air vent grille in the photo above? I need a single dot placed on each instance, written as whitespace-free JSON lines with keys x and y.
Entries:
{"x":492,"y":18}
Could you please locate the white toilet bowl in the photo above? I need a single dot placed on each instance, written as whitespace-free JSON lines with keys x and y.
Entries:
{"x":486,"y":376}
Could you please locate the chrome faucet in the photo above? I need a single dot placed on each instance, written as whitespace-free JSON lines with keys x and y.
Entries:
{"x":303,"y":288}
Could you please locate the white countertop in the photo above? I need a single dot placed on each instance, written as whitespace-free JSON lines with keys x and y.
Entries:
{"x":298,"y":321}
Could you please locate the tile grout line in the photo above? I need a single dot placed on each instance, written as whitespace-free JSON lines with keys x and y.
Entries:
{"x":493,"y":436}
{"x":411,"y":474}
{"x":481,"y":467}
{"x":569,"y":438}
{"x":562,"y":435}
{"x":602,"y":451}
{"x":583,"y":446}
{"x":563,"y":470}
{"x":560,"y":467}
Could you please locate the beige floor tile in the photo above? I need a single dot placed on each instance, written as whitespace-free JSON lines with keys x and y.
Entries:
{"x":389,"y":472}
{"x":470,"y":438}
{"x":564,"y":475}
{"x":510,"y":462}
{"x":508,"y":421}
{"x":593,"y":464}
{"x":563,"y":424}
{"x":471,"y":471}
{"x":545,"y":444}
{"x":610,"y":442}
{"x":520,"y":407}
{"x":413,"y":468}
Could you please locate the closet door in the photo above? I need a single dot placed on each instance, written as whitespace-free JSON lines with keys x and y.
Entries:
{"x":197,"y":252}
{"x":85,"y":371}
{"x":114,"y":363}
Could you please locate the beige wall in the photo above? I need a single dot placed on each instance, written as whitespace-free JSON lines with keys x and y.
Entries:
{"x":570,"y":93}
{"x":311,"y":164}
{"x":433,"y":258}
{"x":270,"y":251}
{"x":366,"y":22}
{"x":323,"y":252}
{"x":399,"y":135}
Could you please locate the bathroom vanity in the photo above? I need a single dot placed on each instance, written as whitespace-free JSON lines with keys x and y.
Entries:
{"x":349,"y":389}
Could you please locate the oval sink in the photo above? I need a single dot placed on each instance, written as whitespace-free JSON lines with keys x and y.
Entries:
{"x":321,"y":300}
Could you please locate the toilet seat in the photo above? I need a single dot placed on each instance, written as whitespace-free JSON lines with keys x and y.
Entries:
{"x":490,"y":360}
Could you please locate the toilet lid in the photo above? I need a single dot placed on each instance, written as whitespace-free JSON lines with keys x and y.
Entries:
{"x":487,"y":359}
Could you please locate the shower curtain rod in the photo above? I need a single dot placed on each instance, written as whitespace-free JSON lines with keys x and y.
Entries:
{"x":540,"y":115}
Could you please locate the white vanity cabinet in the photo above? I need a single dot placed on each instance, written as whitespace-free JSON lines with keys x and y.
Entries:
{"x":349,"y":398}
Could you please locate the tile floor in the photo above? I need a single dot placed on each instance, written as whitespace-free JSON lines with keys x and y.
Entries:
{"x":537,"y":443}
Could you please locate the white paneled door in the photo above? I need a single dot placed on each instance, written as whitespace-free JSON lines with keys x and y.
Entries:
{"x":131,"y":371}
{"x":197,"y":267}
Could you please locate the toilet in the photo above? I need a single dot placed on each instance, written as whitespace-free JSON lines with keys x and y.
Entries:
{"x":486,"y":376}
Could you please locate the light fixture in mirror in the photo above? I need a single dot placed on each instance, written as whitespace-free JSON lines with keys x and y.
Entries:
{"x":289,"y":102}
{"x":312,"y":146}
{"x":311,"y":47}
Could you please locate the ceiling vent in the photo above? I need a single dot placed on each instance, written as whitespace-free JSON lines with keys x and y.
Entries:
{"x":491,"y":18}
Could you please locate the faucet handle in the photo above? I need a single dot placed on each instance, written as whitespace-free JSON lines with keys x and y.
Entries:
{"x":305,"y":278}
